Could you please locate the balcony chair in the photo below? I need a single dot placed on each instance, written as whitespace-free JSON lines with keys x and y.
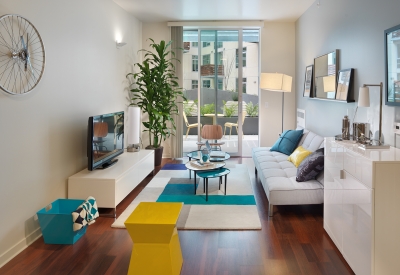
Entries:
{"x":212,"y":133}
{"x":231,"y":124}
{"x":190,"y":126}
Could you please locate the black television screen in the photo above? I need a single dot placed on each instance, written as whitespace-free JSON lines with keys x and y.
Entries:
{"x":105,"y":139}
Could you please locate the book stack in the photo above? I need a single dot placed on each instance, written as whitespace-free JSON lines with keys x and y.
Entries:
{"x":199,"y":165}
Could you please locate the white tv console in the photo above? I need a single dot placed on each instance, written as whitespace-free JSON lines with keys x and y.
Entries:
{"x":110,"y":186}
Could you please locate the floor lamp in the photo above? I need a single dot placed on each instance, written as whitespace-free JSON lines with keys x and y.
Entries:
{"x":277,"y":83}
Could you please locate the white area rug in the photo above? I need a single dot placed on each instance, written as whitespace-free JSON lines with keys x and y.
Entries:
{"x":199,"y":216}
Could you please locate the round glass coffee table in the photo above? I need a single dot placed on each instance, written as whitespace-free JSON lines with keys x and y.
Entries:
{"x":195,"y":169}
{"x":196,"y":155}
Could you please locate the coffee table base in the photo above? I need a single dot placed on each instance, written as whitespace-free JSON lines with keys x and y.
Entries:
{"x":213,"y":174}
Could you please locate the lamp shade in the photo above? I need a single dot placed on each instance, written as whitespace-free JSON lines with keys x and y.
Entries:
{"x":276,"y":82}
{"x":329,"y":83}
{"x":133,"y":125}
{"x":363,"y":97}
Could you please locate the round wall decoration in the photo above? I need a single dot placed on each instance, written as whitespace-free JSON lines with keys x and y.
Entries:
{"x":22,"y":55}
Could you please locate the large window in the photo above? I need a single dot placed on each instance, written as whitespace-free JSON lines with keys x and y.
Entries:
{"x":206,"y":59}
{"x":220,"y":58}
{"x":195,"y":84}
{"x":220,"y":83}
{"x":195,"y":63}
{"x":398,"y":56}
{"x":206,"y":83}
{"x":244,"y":84}
{"x":244,"y":57}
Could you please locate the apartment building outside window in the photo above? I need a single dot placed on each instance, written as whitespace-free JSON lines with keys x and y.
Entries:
{"x":244,"y":84}
{"x":195,"y":44}
{"x":220,"y":44}
{"x":195,"y":84}
{"x":220,"y":83}
{"x":206,"y":44}
{"x":398,"y":56}
{"x":206,"y":59}
{"x":220,"y":57}
{"x":244,"y":57}
{"x":206,"y":83}
{"x":195,"y":63}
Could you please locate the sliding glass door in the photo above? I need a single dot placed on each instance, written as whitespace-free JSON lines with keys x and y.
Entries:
{"x":216,"y":75}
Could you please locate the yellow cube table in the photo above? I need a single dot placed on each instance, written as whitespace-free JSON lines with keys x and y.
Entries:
{"x":156,"y":248}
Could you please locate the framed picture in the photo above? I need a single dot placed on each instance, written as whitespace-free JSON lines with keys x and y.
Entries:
{"x":308,"y":81}
{"x":392,"y":54}
{"x":344,"y":85}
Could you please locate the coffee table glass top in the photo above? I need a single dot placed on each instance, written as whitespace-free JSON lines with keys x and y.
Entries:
{"x":196,"y":155}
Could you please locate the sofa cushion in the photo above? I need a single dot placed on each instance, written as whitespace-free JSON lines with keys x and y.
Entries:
{"x":312,"y":142}
{"x":311,"y":166}
{"x":298,"y":155}
{"x":287,"y":142}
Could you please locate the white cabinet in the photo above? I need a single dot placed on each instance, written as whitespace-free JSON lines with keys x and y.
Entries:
{"x":362,"y":205}
{"x":110,"y":186}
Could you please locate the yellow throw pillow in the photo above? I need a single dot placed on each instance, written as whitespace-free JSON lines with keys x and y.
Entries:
{"x":298,"y":155}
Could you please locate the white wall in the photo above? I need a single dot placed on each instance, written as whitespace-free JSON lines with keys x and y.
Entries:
{"x":356,"y":28}
{"x":43,"y":134}
{"x":277,"y":55}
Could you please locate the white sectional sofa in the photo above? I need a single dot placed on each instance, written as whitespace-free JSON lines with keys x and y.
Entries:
{"x":278,"y":175}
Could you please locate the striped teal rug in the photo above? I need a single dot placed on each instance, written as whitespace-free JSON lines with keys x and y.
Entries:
{"x":184,"y":192}
{"x":236,"y":210}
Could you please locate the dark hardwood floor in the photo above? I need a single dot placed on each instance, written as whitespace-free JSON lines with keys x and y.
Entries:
{"x":293,"y":241}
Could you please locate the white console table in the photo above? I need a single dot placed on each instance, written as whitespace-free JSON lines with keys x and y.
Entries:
{"x":110,"y":186}
{"x":362,"y":205}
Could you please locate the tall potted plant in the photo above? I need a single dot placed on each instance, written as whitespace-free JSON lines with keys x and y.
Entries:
{"x":157,"y":93}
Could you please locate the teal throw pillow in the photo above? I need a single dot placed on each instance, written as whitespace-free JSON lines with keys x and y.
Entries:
{"x":287,"y":142}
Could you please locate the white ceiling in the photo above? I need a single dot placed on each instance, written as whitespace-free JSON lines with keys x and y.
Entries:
{"x":199,"y":10}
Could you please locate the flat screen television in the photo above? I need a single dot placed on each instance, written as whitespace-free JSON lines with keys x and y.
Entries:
{"x":105,"y":140}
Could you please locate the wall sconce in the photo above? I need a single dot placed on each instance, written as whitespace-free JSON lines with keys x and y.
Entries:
{"x":120,"y":44}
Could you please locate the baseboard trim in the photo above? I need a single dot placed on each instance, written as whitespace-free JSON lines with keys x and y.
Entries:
{"x":20,"y":246}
